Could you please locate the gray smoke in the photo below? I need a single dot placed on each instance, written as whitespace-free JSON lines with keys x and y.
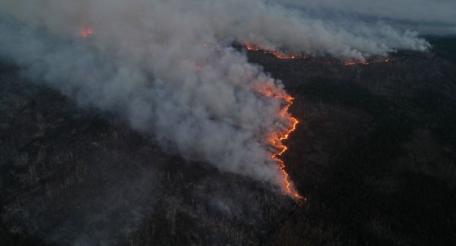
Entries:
{"x":427,"y":16}
{"x":168,"y":68}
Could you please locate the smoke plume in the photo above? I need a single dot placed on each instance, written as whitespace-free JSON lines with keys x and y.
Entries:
{"x":167,"y":66}
{"x":429,"y":17}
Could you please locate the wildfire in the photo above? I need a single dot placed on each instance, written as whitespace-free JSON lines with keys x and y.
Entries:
{"x":278,"y":54}
{"x":353,"y":62}
{"x":86,"y":32}
{"x":276,"y":139}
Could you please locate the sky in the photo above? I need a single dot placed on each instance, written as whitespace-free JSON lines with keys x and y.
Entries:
{"x":427,"y":16}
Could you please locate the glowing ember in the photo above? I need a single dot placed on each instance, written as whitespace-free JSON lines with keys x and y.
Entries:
{"x":284,"y":56}
{"x":251,"y":47}
{"x":276,"y":139}
{"x":278,"y":54}
{"x":86,"y":32}
{"x":353,"y":62}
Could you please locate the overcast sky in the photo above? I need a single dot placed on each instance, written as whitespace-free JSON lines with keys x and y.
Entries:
{"x":428,"y":16}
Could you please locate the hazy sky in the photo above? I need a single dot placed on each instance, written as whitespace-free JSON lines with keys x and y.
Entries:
{"x":429,"y":16}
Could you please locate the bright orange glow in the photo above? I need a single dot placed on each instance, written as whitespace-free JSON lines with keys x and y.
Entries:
{"x":276,"y":139}
{"x":278,"y":54}
{"x":86,"y":32}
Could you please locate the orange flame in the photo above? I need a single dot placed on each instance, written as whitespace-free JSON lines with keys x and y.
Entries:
{"x":276,"y":139}
{"x":278,"y":54}
{"x":86,"y":32}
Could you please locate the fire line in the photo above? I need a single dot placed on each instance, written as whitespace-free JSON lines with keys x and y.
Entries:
{"x":278,"y":142}
{"x":278,"y":54}
{"x":277,"y":139}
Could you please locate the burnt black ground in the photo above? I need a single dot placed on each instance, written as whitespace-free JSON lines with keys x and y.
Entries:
{"x":375,"y":154}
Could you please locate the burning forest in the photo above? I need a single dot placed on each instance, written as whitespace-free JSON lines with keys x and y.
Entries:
{"x":143,"y":72}
{"x":175,"y":113}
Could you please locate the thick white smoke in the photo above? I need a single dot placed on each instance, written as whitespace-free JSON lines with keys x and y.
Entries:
{"x":167,"y":66}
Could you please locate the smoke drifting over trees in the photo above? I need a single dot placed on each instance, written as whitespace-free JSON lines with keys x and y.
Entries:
{"x":167,"y":66}
{"x":430,"y":17}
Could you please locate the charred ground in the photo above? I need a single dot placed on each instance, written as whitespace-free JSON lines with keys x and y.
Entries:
{"x":374,"y":154}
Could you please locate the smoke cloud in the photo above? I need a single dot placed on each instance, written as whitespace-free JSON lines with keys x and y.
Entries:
{"x":429,"y":17}
{"x":167,"y":66}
